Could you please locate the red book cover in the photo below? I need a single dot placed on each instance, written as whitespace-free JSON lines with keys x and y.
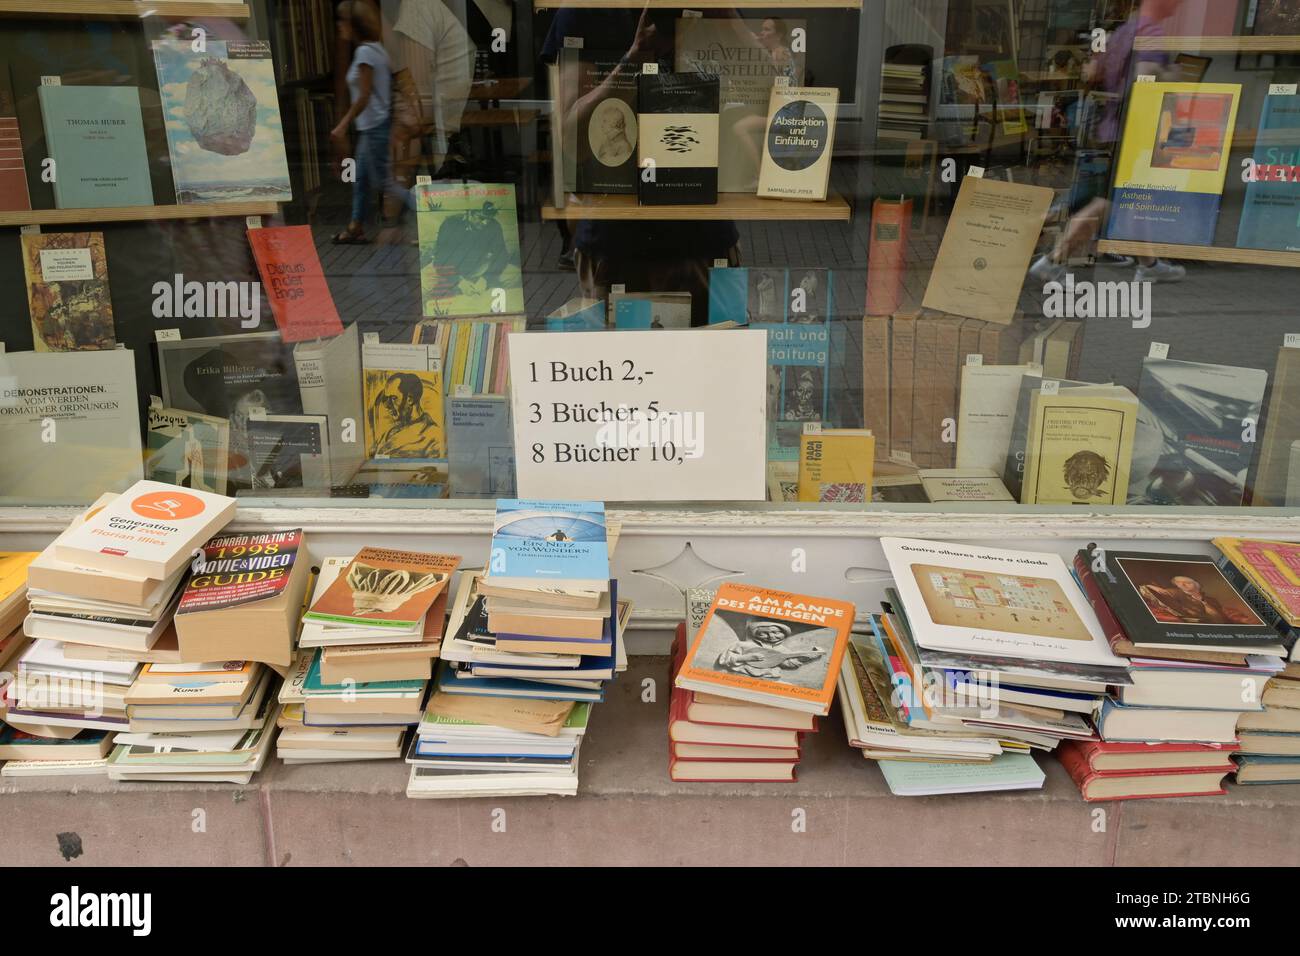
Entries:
{"x":1109,"y":623}
{"x":1076,"y":764}
{"x":13,"y":175}
{"x":1216,"y":755}
{"x":890,"y":223}
{"x":672,"y":773}
{"x":739,"y":756}
{"x":294,"y":282}
{"x":238,"y":569}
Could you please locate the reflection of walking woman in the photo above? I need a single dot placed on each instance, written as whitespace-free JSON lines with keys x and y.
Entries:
{"x":370,"y":83}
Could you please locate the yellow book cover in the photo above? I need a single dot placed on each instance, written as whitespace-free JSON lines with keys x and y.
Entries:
{"x":1273,"y":567}
{"x":1173,"y":161}
{"x":402,"y":388}
{"x":1080,"y":447}
{"x":836,"y":465}
{"x":769,"y":647}
{"x":13,"y":572}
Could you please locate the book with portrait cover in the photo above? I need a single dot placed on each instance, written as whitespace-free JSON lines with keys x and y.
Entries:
{"x":1080,"y":446}
{"x":95,"y":135}
{"x":1178,"y":600}
{"x":677,"y":145}
{"x":403,"y":397}
{"x":769,"y":647}
{"x":607,"y":131}
{"x":222,"y":112}
{"x":1173,"y":160}
{"x":67,"y":291}
{"x":385,"y":589}
{"x":1270,"y":214}
{"x":294,"y":282}
{"x":1191,"y":446}
{"x":798,"y":141}
{"x":973,"y":600}
{"x":469,"y":249}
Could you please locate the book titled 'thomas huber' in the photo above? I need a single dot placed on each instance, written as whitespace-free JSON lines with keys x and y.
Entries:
{"x":677,"y":150}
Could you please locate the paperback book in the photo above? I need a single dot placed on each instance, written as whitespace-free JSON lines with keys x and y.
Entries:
{"x":67,"y":291}
{"x":385,"y":588}
{"x":469,"y":249}
{"x":677,"y":146}
{"x":95,"y":135}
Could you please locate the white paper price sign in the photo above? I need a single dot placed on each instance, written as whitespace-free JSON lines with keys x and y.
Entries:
{"x":640,"y":416}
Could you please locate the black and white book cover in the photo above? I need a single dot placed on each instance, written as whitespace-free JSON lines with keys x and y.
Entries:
{"x":607,"y":125}
{"x":677,"y":148}
{"x":798,"y":142}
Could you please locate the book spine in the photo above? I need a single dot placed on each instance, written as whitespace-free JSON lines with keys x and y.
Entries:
{"x":875,"y":381}
{"x":902,"y":352}
{"x":890,"y":225}
{"x":924,"y":395}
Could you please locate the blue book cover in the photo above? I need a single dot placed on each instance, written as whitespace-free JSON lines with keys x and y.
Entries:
{"x":535,"y":543}
{"x":1270,"y":216}
{"x":578,"y":315}
{"x":728,"y":296}
{"x":95,"y":135}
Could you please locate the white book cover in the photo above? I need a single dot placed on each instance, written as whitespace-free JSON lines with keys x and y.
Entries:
{"x":329,"y":377}
{"x":798,"y":142}
{"x":976,"y":600}
{"x":151,"y":528}
{"x":94,"y":442}
{"x":48,"y":656}
{"x":989,"y":394}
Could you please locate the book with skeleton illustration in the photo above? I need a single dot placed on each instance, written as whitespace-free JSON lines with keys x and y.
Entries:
{"x":384,"y":588}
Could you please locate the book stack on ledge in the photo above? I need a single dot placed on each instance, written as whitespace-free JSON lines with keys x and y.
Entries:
{"x":365,"y":658}
{"x":1268,"y":575}
{"x":759,"y":672}
{"x":981,"y":657}
{"x":531,"y":645}
{"x":1199,"y":657}
{"x":101,"y":598}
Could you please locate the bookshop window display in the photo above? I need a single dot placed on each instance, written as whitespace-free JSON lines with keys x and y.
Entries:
{"x":845,"y":253}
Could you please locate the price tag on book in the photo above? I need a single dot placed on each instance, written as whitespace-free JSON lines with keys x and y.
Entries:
{"x":424,"y":179}
{"x":167,"y":335}
{"x":975,"y":172}
{"x":975,"y":359}
{"x":617,"y":288}
{"x":720,"y":263}
{"x":1145,"y":78}
{"x":780,"y":81}
{"x":253,"y":222}
{"x":650,"y":67}
{"x":370,"y":338}
{"x":461,"y":390}
{"x":51,"y":81}
{"x":1159,"y":350}
{"x":812,"y":428}
{"x":692,"y":13}
{"x":1051,"y":387}
{"x":1291,"y":340}
{"x":641,"y":416}
{"x":573,"y":43}
{"x":1283,"y":89}
{"x":29,"y":230}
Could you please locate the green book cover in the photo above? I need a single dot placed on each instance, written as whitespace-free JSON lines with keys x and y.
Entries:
{"x":469,"y":249}
{"x":95,"y":136}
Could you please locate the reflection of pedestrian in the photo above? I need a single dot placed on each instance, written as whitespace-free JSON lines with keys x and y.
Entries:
{"x":370,"y":84}
{"x":472,"y":247}
{"x":1186,"y":603}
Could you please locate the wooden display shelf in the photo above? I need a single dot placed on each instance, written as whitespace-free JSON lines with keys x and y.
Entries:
{"x":1219,"y":44}
{"x":1162,"y":250}
{"x":697,"y":5}
{"x":122,"y":8}
{"x":740,"y":206}
{"x":58,"y":217}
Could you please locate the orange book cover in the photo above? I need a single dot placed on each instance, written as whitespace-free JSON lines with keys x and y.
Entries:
{"x":890,"y":223}
{"x":294,"y":282}
{"x":770,"y":647}
{"x":385,"y":588}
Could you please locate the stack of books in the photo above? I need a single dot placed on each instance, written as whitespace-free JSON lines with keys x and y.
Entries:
{"x":365,"y":657}
{"x":1265,"y":572}
{"x":759,"y":672}
{"x":1199,"y":658}
{"x":904,"y":101}
{"x":531,"y":640}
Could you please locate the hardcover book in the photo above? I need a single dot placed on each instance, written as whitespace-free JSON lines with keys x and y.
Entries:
{"x":187,"y":449}
{"x":384,"y":588}
{"x":1173,"y":160}
{"x":748,"y":59}
{"x":1179,"y":600}
{"x":95,"y":135}
{"x":1191,"y":448}
{"x":769,"y":647}
{"x":891,"y":223}
{"x":14,"y":196}
{"x":987,"y":601}
{"x":607,"y":127}
{"x":469,"y":249}
{"x":150,"y":528}
{"x":294,"y":282}
{"x":798,"y":143}
{"x":230,"y":376}
{"x":92,"y":397}
{"x":403,"y":397}
{"x":1272,"y":568}
{"x":222,"y":111}
{"x":67,"y":291}
{"x":1270,"y":215}
{"x":677,"y":149}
